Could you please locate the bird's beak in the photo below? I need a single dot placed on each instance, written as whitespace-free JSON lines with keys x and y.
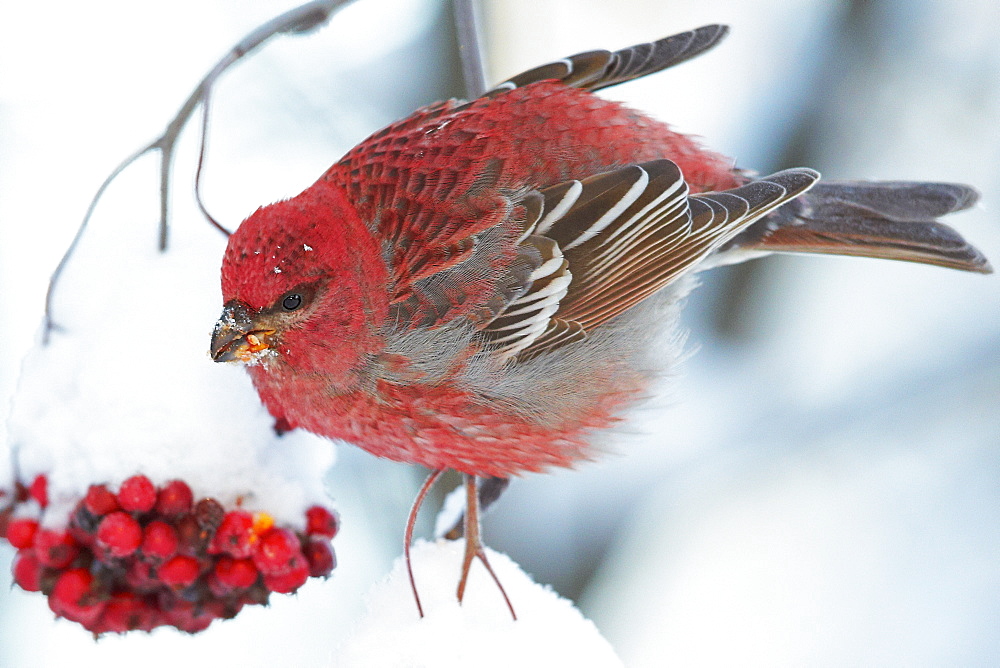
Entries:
{"x":237,"y":337}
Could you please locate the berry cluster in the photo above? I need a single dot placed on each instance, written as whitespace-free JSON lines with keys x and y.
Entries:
{"x":145,"y":556}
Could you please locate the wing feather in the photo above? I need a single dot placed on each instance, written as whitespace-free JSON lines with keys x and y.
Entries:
{"x":593,"y":70}
{"x":631,"y":231}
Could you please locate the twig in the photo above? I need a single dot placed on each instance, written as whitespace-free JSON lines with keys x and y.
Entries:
{"x":300,"y":20}
{"x":470,"y":48}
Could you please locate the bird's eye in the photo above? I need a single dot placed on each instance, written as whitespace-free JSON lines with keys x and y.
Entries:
{"x":291,"y":302}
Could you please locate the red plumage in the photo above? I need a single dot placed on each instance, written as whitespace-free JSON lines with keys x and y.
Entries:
{"x":441,"y":275}
{"x":480,"y":285}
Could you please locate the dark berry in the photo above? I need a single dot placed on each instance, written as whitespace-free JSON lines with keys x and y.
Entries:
{"x":209,"y":513}
{"x":319,"y":554}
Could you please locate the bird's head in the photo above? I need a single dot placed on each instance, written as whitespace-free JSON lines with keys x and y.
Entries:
{"x":303,"y":285}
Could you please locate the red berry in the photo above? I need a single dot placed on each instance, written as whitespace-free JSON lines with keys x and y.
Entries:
{"x":289,"y":581}
{"x":319,"y":554}
{"x":137,"y":494}
{"x":174,"y":499}
{"x":179,"y":572}
{"x":189,"y":617}
{"x":73,"y":598}
{"x":127,"y":612}
{"x":159,"y":541}
{"x":99,"y":501}
{"x":234,"y":536}
{"x":119,"y":533}
{"x":235,"y":573}
{"x":39,"y":490}
{"x":141,"y":577}
{"x":278,"y":551}
{"x":21,"y":532}
{"x":28,"y":572}
{"x":55,"y":548}
{"x":321,"y":522}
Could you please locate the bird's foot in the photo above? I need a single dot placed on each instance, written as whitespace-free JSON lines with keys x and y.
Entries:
{"x":473,"y":543}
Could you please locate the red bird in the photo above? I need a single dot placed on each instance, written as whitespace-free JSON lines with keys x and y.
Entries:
{"x":478,"y":286}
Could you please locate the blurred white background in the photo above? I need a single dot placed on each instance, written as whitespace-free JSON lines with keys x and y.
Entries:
{"x":820,"y":487}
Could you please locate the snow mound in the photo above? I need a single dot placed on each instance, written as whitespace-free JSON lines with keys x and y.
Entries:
{"x":549,"y":631}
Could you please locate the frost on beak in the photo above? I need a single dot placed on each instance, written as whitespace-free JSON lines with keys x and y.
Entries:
{"x":237,"y":338}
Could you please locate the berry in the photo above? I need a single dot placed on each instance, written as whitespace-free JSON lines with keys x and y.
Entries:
{"x":99,"y":501}
{"x":73,"y":597}
{"x":126,"y":611}
{"x":209,"y":514}
{"x":289,"y":581}
{"x":159,"y":541}
{"x":137,"y":494}
{"x":235,"y":573}
{"x":192,"y":539}
{"x":321,"y":522}
{"x":174,"y":499}
{"x":192,"y":618}
{"x":179,"y":571}
{"x":55,"y":549}
{"x":21,"y":532}
{"x":39,"y":490}
{"x":319,"y":554}
{"x":28,"y":572}
{"x":119,"y":533}
{"x":235,"y":535}
{"x":277,"y":552}
{"x":140,"y":576}
{"x":144,"y":558}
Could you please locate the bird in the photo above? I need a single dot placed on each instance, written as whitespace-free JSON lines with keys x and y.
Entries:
{"x":483,"y":285}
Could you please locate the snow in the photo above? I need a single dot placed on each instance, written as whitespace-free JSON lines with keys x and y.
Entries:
{"x":451,"y":511}
{"x":126,"y":386}
{"x":549,"y":631}
{"x":724,"y":497}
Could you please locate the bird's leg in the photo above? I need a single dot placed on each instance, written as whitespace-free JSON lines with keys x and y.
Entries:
{"x":408,"y":535}
{"x":473,"y":543}
{"x":490,"y":490}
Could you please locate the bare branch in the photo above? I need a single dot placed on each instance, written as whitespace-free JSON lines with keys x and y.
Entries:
{"x":205,"y":106}
{"x":469,"y":48}
{"x":296,"y":21}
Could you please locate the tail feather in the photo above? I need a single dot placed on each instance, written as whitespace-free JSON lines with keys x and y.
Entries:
{"x":893,"y":220}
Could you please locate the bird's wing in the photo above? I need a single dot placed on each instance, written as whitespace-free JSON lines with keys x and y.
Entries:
{"x":617,"y":238}
{"x":594,"y":70}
